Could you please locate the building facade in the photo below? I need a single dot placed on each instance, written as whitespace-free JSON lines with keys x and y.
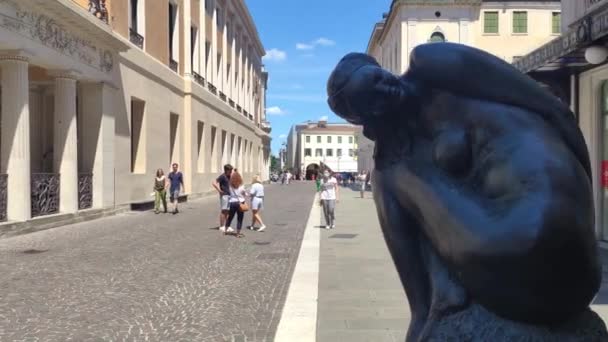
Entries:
{"x":507,"y":29}
{"x":574,"y":67}
{"x":96,"y":95}
{"x":314,"y":145}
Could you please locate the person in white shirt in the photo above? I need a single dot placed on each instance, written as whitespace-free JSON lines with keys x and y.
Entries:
{"x":237,"y":195}
{"x":257,"y":203}
{"x":329,"y":197}
{"x":362,"y":180}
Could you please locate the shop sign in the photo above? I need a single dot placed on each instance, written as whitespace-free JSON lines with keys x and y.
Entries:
{"x":599,"y":28}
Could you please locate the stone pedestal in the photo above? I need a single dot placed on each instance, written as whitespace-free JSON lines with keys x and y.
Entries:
{"x":478,"y":324}
{"x":16,"y":136}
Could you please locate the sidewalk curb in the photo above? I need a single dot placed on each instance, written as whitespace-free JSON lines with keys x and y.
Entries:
{"x":299,"y":317}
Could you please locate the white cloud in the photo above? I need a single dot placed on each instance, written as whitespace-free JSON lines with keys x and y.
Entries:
{"x":317,"y":42}
{"x":324,"y":42}
{"x":282,"y":136}
{"x":323,"y":118}
{"x":275,"y":110}
{"x":275,"y":55}
{"x":302,"y":46}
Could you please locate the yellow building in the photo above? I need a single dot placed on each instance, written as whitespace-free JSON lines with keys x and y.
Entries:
{"x":507,"y":29}
{"x":97,"y":95}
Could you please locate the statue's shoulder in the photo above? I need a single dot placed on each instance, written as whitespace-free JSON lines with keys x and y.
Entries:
{"x":469,"y":72}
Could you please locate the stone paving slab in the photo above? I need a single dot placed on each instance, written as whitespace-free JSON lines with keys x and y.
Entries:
{"x":360,"y":295}
{"x":141,"y":276}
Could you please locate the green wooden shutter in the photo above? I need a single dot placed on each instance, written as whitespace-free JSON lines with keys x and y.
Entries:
{"x":490,"y":22}
{"x":520,"y":22}
{"x":556,"y":22}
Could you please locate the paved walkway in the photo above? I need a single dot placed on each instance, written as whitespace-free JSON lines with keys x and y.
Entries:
{"x":360,"y":295}
{"x":146,"y":277}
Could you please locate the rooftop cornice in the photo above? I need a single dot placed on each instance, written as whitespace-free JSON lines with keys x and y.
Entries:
{"x":245,"y":18}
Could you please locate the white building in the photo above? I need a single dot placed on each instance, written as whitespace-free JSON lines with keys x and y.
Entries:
{"x":313,"y":144}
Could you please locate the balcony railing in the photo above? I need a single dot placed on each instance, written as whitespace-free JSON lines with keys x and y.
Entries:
{"x":231,"y":103}
{"x":45,"y":193}
{"x":173,"y":65}
{"x":212,"y":88}
{"x":136,"y":38}
{"x":222,"y":96}
{"x":198,"y":78}
{"x":85,"y":190}
{"x":98,"y":8}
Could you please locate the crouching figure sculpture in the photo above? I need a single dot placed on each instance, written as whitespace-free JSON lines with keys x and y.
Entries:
{"x":482,"y":182}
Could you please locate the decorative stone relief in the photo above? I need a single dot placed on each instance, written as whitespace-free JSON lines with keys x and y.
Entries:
{"x":48,"y":31}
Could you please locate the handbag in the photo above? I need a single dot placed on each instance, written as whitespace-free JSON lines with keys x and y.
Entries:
{"x":243,"y":207}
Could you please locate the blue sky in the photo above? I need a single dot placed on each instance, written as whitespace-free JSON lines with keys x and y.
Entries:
{"x":304,"y":41}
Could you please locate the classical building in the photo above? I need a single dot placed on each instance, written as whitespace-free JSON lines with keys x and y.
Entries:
{"x":312,"y":145}
{"x":96,"y":95}
{"x":507,"y":29}
{"x":574,"y":67}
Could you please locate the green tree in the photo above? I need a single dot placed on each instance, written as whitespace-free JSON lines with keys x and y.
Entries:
{"x":274,"y":164}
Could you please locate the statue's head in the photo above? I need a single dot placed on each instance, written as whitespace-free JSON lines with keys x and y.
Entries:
{"x":360,"y":91}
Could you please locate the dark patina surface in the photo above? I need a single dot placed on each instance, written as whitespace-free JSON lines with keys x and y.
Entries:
{"x":483,"y":188}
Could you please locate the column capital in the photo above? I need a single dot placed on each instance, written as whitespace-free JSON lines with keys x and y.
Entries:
{"x":15,"y":55}
{"x":65,"y":74}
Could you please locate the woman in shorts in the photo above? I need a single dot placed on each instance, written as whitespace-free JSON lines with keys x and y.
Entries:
{"x":257,"y":202}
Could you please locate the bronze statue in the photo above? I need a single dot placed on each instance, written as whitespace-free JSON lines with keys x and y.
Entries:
{"x":483,"y":187}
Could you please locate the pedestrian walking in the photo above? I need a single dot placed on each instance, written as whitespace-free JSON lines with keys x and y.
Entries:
{"x":176,"y":181}
{"x":237,"y":203}
{"x":222,"y":186}
{"x":362,"y":180}
{"x":257,"y":203}
{"x":329,"y":197}
{"x":160,"y":191}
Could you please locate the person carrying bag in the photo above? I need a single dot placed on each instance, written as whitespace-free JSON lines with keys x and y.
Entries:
{"x":237,"y":203}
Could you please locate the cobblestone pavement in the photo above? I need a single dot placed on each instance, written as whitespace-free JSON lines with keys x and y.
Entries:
{"x":147,"y":277}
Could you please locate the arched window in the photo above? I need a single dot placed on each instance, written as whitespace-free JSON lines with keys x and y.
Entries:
{"x":437,"y":37}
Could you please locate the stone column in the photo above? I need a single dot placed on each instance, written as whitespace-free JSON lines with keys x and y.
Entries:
{"x":15,"y":140}
{"x":66,"y":141}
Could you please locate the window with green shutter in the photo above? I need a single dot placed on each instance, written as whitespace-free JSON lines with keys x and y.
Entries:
{"x":490,"y":22}
{"x":556,"y":22}
{"x":520,"y":22}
